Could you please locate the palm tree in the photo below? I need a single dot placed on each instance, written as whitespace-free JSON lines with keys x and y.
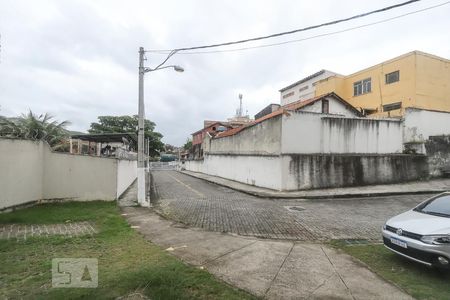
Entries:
{"x":34,"y":127}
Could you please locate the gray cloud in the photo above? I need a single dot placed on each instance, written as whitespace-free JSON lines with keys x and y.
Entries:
{"x":78,"y":59}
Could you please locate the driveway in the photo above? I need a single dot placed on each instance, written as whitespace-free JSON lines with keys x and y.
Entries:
{"x":200,"y":204}
{"x":269,"y":269}
{"x":278,"y":268}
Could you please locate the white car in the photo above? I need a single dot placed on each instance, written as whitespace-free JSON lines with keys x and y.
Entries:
{"x":423,"y":233}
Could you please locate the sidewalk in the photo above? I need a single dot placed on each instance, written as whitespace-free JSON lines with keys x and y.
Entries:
{"x":266,"y":268}
{"x":416,"y":187}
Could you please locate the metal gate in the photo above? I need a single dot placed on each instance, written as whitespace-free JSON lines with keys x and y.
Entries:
{"x":163,"y":166}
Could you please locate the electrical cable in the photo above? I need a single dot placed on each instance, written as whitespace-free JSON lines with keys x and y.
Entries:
{"x":306,"y":38}
{"x":292,"y":31}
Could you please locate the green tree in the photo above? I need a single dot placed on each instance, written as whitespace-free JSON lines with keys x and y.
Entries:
{"x":35,"y":127}
{"x":188,"y":144}
{"x":127,"y":124}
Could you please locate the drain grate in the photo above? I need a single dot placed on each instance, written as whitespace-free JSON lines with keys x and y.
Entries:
{"x":295,"y":208}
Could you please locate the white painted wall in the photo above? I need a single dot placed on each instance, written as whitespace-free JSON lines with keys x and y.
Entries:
{"x":241,"y":157}
{"x":335,"y":108}
{"x":305,"y":132}
{"x":126,"y":174}
{"x":21,"y":172}
{"x":299,"y":93}
{"x":79,"y":177}
{"x":263,"y":171}
{"x":30,"y":171}
{"x":420,"y":124}
{"x":261,"y":138}
{"x":195,"y":166}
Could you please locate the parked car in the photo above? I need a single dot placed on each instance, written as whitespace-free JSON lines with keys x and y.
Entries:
{"x":422,"y":234}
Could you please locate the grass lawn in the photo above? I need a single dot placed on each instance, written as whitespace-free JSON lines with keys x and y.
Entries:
{"x":127,"y":262}
{"x":417,"y":280}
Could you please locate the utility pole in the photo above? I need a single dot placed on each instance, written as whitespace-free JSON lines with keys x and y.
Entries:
{"x":141,"y":195}
{"x":240,"y":105}
{"x":148,"y":154}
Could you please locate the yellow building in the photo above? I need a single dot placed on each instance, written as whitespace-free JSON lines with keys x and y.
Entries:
{"x":415,"y":79}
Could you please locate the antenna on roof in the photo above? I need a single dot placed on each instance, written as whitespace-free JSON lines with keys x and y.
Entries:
{"x":239,"y":114}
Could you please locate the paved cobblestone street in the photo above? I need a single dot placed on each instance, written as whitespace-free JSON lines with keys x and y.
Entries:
{"x":204,"y":205}
{"x":22,"y":232}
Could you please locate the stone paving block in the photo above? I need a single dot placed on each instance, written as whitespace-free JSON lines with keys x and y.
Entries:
{"x":200,"y":204}
{"x":24,"y":231}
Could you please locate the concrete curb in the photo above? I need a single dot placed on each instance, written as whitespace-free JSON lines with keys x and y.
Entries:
{"x":296,"y":195}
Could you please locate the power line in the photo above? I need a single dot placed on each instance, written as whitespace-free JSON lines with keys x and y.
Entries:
{"x":293,"y":31}
{"x":306,"y":38}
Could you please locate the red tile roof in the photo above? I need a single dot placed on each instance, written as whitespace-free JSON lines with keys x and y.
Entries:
{"x":229,"y":132}
{"x":284,"y":109}
{"x":225,"y":124}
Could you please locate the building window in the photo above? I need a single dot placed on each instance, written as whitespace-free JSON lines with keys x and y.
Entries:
{"x":392,"y":106}
{"x":303,"y":88}
{"x":362,"y":87}
{"x":288,"y":95}
{"x":392,"y":77}
{"x":325,"y":107}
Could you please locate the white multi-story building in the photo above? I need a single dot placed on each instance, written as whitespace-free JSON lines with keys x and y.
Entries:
{"x":303,"y":89}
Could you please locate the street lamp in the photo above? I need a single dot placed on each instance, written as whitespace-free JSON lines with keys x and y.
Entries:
{"x":141,"y":195}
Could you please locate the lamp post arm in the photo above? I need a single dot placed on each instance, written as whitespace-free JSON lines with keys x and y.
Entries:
{"x":146,"y":70}
{"x":165,"y":60}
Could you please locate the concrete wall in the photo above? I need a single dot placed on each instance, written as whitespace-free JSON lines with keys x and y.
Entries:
{"x":21,"y":172}
{"x":306,"y":150}
{"x":301,"y":171}
{"x":311,"y":171}
{"x":195,"y":166}
{"x":259,"y":170}
{"x":316,"y":133}
{"x":30,"y":171}
{"x":438,"y":154}
{"x":79,"y":177}
{"x":126,"y":174}
{"x":420,"y":124}
{"x":262,"y":138}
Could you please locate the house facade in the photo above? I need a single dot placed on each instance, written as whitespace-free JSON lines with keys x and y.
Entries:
{"x":305,"y":146}
{"x":304,"y":88}
{"x":211,"y":128}
{"x":329,"y":103}
{"x":413,"y":80}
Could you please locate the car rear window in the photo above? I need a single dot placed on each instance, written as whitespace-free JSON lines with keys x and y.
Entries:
{"x":439,"y":205}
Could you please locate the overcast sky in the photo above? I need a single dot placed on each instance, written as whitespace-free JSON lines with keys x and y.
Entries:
{"x":78,"y":59}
